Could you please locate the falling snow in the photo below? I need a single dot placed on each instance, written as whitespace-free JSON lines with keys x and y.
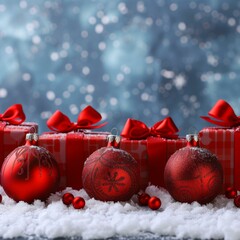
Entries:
{"x":140,"y":59}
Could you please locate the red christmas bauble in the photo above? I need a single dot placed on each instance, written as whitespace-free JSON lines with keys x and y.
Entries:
{"x":154,"y":203}
{"x":67,"y":198}
{"x":237,"y":201}
{"x":193,"y":174}
{"x":143,"y":199}
{"x":29,"y":172}
{"x":78,"y":203}
{"x":111,"y":174}
{"x":231,"y":192}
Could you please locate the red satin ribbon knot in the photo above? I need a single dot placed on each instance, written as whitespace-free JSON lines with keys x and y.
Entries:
{"x":222,"y":114}
{"x":13,"y":115}
{"x":135,"y":129}
{"x":59,"y":122}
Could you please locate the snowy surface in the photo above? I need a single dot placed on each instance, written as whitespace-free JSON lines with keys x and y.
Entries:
{"x":220,"y":219}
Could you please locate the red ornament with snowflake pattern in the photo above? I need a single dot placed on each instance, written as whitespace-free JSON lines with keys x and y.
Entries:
{"x":111,"y":174}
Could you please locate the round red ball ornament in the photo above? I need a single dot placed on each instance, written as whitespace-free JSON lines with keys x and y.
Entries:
{"x":193,"y":174}
{"x":67,"y":198}
{"x":154,"y":203}
{"x":231,"y":192}
{"x":143,"y":199}
{"x":29,"y":172}
{"x":111,"y":174}
{"x":237,"y":201}
{"x":78,"y":203}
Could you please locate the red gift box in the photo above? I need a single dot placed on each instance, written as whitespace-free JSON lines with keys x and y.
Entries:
{"x":152,"y":147}
{"x":71,"y":146}
{"x":224,"y":141}
{"x":13,"y":131}
{"x":70,"y":151}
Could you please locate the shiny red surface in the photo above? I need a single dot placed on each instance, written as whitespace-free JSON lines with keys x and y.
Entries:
{"x":193,"y":174}
{"x":29,"y":173}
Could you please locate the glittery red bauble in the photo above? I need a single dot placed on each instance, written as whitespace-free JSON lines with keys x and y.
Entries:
{"x":193,"y":174}
{"x":231,"y":192}
{"x":143,"y":199}
{"x":154,"y":203}
{"x":67,"y":198}
{"x":78,"y":203}
{"x":28,"y":173}
{"x":111,"y":174}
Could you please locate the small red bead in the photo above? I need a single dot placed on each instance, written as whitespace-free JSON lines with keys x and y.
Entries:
{"x":67,"y":198}
{"x":78,"y":203}
{"x":154,"y":203}
{"x":143,"y":199}
{"x":231,"y":192}
{"x":237,"y":201}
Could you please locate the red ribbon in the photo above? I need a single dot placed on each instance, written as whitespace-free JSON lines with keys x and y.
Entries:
{"x":222,"y":114}
{"x":59,"y":122}
{"x":13,"y":115}
{"x":135,"y":129}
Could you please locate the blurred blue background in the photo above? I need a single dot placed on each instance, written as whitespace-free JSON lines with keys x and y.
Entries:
{"x":140,"y":59}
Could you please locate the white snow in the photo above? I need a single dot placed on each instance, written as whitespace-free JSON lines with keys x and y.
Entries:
{"x":220,"y":219}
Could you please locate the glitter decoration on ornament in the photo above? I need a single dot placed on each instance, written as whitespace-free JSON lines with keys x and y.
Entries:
{"x":193,"y":173}
{"x":30,"y":172}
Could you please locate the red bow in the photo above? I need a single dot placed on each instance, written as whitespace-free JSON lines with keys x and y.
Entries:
{"x":224,"y":115}
{"x":13,"y":115}
{"x":135,"y":129}
{"x":59,"y":122}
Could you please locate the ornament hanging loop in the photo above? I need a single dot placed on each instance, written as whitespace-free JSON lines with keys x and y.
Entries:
{"x":114,"y":131}
{"x":33,"y":129}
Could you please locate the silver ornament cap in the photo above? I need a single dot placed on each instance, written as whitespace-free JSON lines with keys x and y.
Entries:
{"x":32,"y":137}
